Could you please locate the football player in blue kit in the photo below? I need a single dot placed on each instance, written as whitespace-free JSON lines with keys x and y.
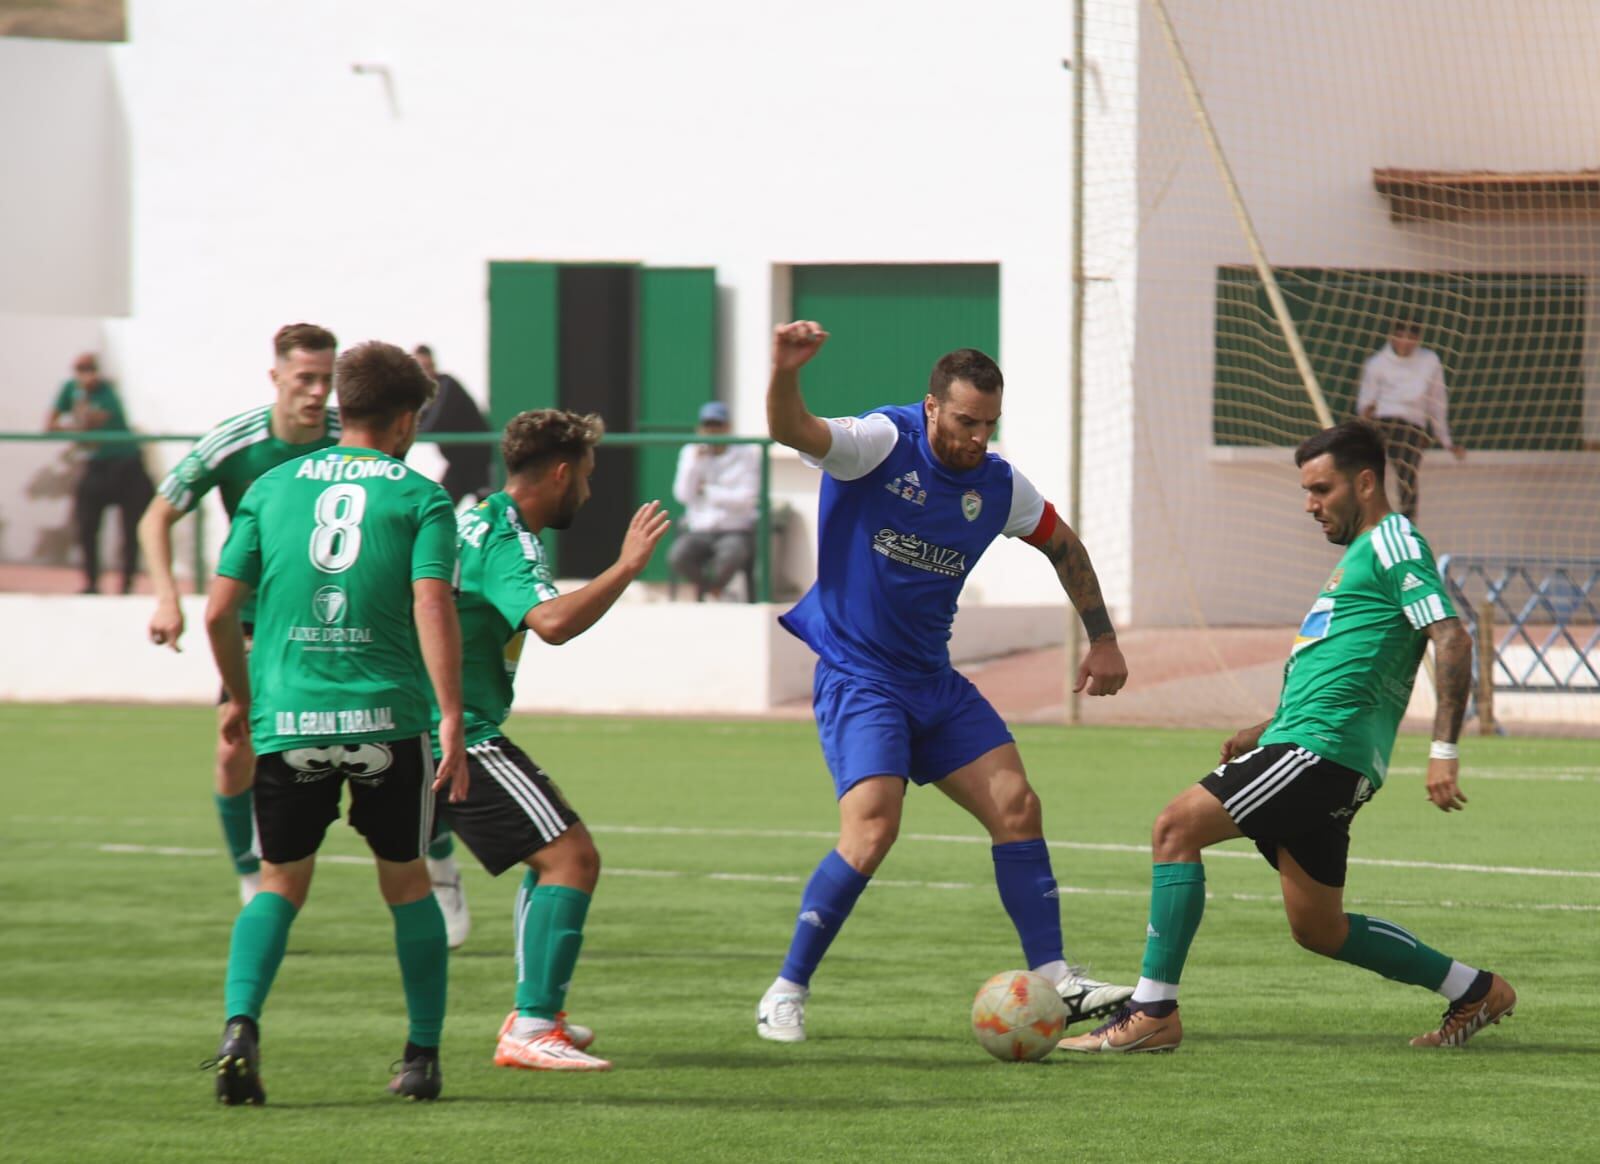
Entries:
{"x":911,"y":498}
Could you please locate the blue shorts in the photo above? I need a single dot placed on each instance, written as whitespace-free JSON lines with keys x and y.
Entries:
{"x":920,"y":729}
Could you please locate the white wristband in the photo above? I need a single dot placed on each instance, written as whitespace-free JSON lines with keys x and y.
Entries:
{"x":1440,"y":750}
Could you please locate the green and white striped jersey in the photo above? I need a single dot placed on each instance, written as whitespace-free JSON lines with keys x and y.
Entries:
{"x":1349,"y":676}
{"x":232,"y":455}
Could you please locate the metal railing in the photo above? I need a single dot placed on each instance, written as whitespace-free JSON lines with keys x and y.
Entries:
{"x":614,"y":440}
{"x":1550,"y":608}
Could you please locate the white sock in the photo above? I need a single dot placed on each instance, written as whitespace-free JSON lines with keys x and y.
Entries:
{"x":1054,"y":973}
{"x":1149,"y":990}
{"x":1456,"y":981}
{"x":784,"y":986}
{"x":531,"y":1028}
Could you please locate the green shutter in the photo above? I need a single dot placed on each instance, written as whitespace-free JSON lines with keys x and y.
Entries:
{"x":524,"y":351}
{"x":677,"y":373}
{"x":889,"y":324}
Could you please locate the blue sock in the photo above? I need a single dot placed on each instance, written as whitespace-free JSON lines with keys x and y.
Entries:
{"x":1028,"y":891}
{"x":829,"y":897}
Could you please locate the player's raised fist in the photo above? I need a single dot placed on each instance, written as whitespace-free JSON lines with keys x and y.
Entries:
{"x":795,"y":343}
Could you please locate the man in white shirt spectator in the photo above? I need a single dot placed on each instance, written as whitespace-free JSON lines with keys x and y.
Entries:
{"x":717,"y":485}
{"x":1403,"y":393}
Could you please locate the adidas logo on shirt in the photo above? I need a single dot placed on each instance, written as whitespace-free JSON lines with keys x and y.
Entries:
{"x":913,"y":479}
{"x":1412,"y":582}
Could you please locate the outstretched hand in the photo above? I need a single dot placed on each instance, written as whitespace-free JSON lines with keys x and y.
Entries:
{"x":793,"y":344}
{"x":644,"y":534}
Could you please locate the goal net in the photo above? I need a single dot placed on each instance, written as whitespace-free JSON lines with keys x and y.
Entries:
{"x":1270,"y":189}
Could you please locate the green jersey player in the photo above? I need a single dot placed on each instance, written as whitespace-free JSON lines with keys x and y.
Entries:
{"x":1293,"y":784}
{"x":352,"y":555}
{"x":513,"y":813}
{"x":228,"y":459}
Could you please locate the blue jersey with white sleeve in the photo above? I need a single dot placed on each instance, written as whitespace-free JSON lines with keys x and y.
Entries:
{"x":898,"y":533}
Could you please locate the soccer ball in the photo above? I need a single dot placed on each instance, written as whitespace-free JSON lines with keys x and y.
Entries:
{"x":1018,"y":1015}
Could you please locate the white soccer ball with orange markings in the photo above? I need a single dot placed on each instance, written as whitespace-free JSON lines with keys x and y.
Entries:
{"x":1018,"y":1016}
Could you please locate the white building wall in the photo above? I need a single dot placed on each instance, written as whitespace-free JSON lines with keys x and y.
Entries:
{"x":1308,"y":100}
{"x":273,"y":182}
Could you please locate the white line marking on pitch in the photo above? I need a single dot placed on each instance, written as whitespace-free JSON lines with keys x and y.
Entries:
{"x":890,"y":883}
{"x":1080,"y":846}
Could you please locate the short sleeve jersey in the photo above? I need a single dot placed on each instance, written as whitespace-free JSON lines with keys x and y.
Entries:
{"x":103,"y":398}
{"x":332,"y":543}
{"x":502,"y":574}
{"x":231,"y":456}
{"x":1349,"y":677}
{"x":894,"y":548}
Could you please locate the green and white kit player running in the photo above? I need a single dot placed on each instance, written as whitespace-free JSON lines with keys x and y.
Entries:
{"x":351,"y":554}
{"x":1293,"y":784}
{"x":228,"y":459}
{"x":513,"y":813}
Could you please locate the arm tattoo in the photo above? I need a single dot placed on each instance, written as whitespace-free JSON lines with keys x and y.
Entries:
{"x":1452,"y":677}
{"x":1071,"y":560}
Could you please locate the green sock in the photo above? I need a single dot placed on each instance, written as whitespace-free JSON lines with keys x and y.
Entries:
{"x":1177,"y":902}
{"x":259,"y":937}
{"x":443,"y":843}
{"x":239,"y":829}
{"x":551,"y":934}
{"x":1385,"y":948}
{"x":419,"y":940}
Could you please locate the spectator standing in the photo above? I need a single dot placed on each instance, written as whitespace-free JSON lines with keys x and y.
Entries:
{"x":114,"y":474}
{"x":718,"y":486}
{"x":453,"y":410}
{"x":1403,"y":393}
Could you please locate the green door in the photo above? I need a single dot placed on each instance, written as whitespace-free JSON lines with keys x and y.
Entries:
{"x":677,"y":374}
{"x":889,"y":324}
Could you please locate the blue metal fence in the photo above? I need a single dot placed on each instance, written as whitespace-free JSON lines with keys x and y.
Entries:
{"x":1550,"y":609}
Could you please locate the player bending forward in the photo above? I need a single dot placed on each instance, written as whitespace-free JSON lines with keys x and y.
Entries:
{"x":350,"y":554}
{"x":1292,"y":784}
{"x":911,"y":500}
{"x":513,"y":813}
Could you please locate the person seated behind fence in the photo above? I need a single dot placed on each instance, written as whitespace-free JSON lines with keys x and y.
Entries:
{"x":453,"y":410}
{"x":718,"y":486}
{"x":114,"y":474}
{"x":1403,"y":393}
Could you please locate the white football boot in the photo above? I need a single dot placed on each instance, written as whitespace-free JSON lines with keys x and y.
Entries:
{"x":1089,"y":998}
{"x":781,"y":1016}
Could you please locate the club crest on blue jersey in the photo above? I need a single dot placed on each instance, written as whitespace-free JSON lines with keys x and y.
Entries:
{"x":971,"y":504}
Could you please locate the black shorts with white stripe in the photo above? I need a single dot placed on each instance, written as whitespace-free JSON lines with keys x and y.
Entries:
{"x":512,"y":810}
{"x":1288,"y":796}
{"x":391,"y":797}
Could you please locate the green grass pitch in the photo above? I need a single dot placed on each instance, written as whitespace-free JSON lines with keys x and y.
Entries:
{"x":116,"y":905}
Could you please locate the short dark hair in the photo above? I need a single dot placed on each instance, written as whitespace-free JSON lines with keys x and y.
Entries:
{"x":377,"y":382}
{"x":422,"y":350}
{"x":967,"y":364}
{"x":1405,"y":325}
{"x":308,"y":337}
{"x":535,"y":438}
{"x":1354,"y":445}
